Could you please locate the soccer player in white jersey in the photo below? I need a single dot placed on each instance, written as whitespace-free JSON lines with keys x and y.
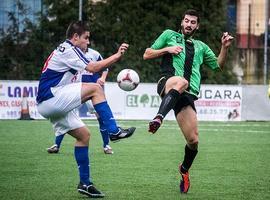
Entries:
{"x":58,"y":98}
{"x":100,"y":78}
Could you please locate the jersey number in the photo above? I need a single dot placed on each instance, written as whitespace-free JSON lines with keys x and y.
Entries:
{"x":61,"y":49}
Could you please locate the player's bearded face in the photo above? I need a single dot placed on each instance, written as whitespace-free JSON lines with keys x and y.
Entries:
{"x":189,"y":25}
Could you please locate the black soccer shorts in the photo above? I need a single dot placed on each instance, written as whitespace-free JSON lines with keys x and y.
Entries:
{"x":186,"y":99}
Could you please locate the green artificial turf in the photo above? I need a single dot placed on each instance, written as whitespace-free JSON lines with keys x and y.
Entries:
{"x":233,"y":162}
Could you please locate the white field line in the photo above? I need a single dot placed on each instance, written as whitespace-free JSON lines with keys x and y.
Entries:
{"x":233,"y":130}
{"x":174,"y":127}
{"x":237,"y":125}
{"x":204,"y":123}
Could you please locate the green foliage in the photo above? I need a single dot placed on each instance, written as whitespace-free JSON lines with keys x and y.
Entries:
{"x":56,"y":17}
{"x":23,"y":52}
{"x":17,"y":54}
{"x":54,"y":20}
{"x":134,"y":22}
{"x":138,"y":23}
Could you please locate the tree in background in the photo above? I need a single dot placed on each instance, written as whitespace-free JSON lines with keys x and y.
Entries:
{"x":54,"y":20}
{"x":23,"y":52}
{"x":56,"y":17}
{"x":16,"y":52}
{"x":112,"y":22}
{"x":139,"y":22}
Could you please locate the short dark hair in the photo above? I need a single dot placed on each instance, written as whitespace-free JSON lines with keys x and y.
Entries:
{"x":191,"y":12}
{"x":78,"y":27}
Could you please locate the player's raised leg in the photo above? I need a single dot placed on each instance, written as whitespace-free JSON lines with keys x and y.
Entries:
{"x":170,"y":91}
{"x":102,"y":129}
{"x":105,"y":137}
{"x":95,"y":93}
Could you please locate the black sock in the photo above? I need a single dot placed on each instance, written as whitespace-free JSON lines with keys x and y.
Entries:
{"x":168,"y":102}
{"x":188,"y":159}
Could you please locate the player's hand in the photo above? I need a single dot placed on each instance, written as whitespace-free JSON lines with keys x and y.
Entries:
{"x":100,"y":81}
{"x":123,"y":48}
{"x":226,"y":39}
{"x":174,"y":50}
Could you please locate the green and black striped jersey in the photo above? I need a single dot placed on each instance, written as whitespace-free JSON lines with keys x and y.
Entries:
{"x":187,"y":63}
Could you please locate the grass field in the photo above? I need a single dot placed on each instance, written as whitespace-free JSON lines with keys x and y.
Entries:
{"x":233,"y":162}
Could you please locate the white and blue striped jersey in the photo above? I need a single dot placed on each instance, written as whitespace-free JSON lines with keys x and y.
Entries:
{"x":94,"y":56}
{"x":60,"y":68}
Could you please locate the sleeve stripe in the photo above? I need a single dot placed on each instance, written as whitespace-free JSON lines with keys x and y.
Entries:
{"x":99,"y":58}
{"x":80,"y":55}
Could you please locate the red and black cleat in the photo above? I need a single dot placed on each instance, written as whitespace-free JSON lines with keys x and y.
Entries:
{"x":184,"y":183}
{"x":155,"y":124}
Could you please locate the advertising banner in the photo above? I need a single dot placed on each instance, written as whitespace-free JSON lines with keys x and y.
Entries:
{"x":11,"y":98}
{"x":219,"y":103}
{"x":141,"y":103}
{"x":215,"y":103}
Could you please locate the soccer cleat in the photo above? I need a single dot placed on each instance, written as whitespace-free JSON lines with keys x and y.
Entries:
{"x":108,"y":150}
{"x":155,"y":124}
{"x":123,"y":133}
{"x":90,"y":191}
{"x":184,"y":183}
{"x":53,"y":149}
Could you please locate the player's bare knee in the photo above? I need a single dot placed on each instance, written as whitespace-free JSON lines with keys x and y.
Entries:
{"x":185,"y":83}
{"x":89,"y":90}
{"x":94,"y":88}
{"x":193,"y":141}
{"x":181,"y":85}
{"x":85,"y":138}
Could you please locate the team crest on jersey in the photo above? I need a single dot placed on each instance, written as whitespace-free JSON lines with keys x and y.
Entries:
{"x":178,"y":39}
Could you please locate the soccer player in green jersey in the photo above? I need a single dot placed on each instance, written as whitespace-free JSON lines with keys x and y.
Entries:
{"x":179,"y":85}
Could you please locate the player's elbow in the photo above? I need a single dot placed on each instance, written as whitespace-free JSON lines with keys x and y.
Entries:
{"x":147,"y":54}
{"x":91,"y":67}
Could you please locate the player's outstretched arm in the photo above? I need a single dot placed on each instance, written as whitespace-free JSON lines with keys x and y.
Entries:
{"x":99,"y":65}
{"x":155,"y":53}
{"x":226,"y":41}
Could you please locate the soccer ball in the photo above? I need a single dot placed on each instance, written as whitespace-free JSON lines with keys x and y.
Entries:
{"x":128,"y":79}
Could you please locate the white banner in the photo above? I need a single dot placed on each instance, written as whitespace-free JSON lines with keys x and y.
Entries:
{"x":216,"y":103}
{"x":11,"y":95}
{"x":141,"y":103}
{"x":219,"y":103}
